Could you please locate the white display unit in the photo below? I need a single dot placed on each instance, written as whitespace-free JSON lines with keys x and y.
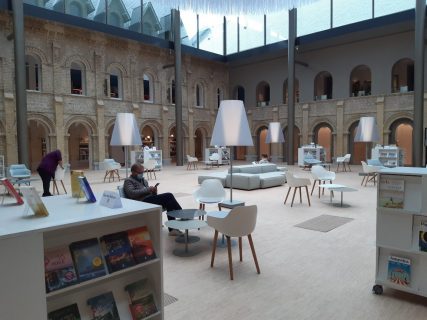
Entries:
{"x":224,"y":154}
{"x":140,"y":156}
{"x":318,"y":152}
{"x":23,"y":240}
{"x":398,"y":227}
{"x":389,"y":156}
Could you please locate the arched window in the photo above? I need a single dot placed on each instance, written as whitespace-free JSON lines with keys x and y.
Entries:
{"x":239,"y":93}
{"x":285,"y":91}
{"x":401,"y":134}
{"x":75,"y":9}
{"x":360,"y":81}
{"x":323,"y":86}
{"x":116,"y":84}
{"x":171,"y":93}
{"x":199,"y":96}
{"x":263,"y":94}
{"x":148,"y":88}
{"x":402,"y":76}
{"x":34,"y":73}
{"x":77,"y":78}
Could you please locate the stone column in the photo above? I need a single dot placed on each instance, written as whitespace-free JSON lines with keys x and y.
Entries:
{"x":165,"y":133}
{"x":251,"y":151}
{"x":100,"y":119}
{"x":380,"y":118}
{"x":59,"y":128}
{"x":305,"y":135}
{"x":10,"y":128}
{"x":191,"y":135}
{"x":340,"y":149}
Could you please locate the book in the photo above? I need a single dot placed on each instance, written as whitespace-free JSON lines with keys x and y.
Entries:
{"x":399,"y":270}
{"x":117,"y":251}
{"x":70,"y":312}
{"x":142,"y":303}
{"x":12,"y":191}
{"x":34,"y":201}
{"x":103,"y":307}
{"x":141,"y":244}
{"x":59,"y":269}
{"x":87,"y":190}
{"x":422,"y":238}
{"x":87,"y":259}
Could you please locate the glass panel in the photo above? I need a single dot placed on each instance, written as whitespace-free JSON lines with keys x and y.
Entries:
{"x":251,"y":31}
{"x":277,"y":26}
{"x":350,"y":11}
{"x":134,"y":13}
{"x":98,"y":13}
{"x":231,"y":22}
{"x":385,"y":7}
{"x":314,"y":17}
{"x":189,"y":28}
{"x":157,"y":20}
{"x":211,"y":31}
{"x":34,"y":3}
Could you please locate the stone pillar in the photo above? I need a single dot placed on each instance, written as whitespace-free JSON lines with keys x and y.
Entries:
{"x":165,"y":133}
{"x":59,"y":128}
{"x":10,"y":128}
{"x":191,"y":135}
{"x":99,"y":155}
{"x":380,"y":118}
{"x":305,"y":135}
{"x":251,"y":154}
{"x":340,"y":149}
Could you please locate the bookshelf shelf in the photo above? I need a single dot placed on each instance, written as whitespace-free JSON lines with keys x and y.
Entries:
{"x":26,"y":238}
{"x":317,"y":152}
{"x":401,"y":264}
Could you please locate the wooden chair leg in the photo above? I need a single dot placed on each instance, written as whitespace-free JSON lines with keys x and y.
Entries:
{"x":289,"y":190}
{"x":215,"y":239}
{"x":106,"y":173}
{"x":348,"y":165}
{"x":230,"y":259}
{"x":293,"y":197}
{"x":320,"y":182}
{"x":65,"y":190}
{"x":308,"y":196}
{"x":251,"y":243}
{"x":240,"y":249}
{"x":314,"y":184}
{"x":300,"y":197}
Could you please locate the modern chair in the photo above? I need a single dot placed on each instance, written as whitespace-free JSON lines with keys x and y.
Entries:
{"x":213,"y":160}
{"x":238,"y":222}
{"x":297,"y":183}
{"x":369,"y":173}
{"x":211,"y":191}
{"x":343,"y":161}
{"x":321,"y":175}
{"x":150,"y":168}
{"x":19,"y":173}
{"x":192,"y":161}
{"x":59,"y":177}
{"x":111,"y":169}
{"x":310,"y":161}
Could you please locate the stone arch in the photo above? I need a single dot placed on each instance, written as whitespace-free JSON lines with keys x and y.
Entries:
{"x":47,"y":123}
{"x":79,"y":59}
{"x":297,"y":142}
{"x":40,"y":130}
{"x":401,"y":134}
{"x":118,"y":66}
{"x":80,"y":142}
{"x":156,"y":127}
{"x":323,"y":135}
{"x":87,"y":122}
{"x":201,"y":134}
{"x":150,"y":72}
{"x":397,"y":116}
{"x":360,"y":81}
{"x":260,"y":146}
{"x":38,"y":53}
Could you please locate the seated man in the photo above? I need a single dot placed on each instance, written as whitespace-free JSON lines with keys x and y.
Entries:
{"x":136,"y":188}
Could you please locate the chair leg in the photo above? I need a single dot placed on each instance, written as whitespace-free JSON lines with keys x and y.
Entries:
{"x":215,"y":239}
{"x":289,"y":190}
{"x":314,"y":184}
{"x":300,"y":197}
{"x":348,"y":165}
{"x":251,"y":243}
{"x":293,"y":197}
{"x":106,"y":173}
{"x":308,"y":196}
{"x":320,"y":182}
{"x":65,"y":190}
{"x":230,"y":259}
{"x":338,"y":167}
{"x":240,"y":249}
{"x":363,"y":180}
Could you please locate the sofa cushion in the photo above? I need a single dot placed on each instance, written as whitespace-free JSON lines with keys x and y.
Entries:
{"x":244,"y":181}
{"x":272,"y":179}
{"x":268,"y":167}
{"x":221,"y":176}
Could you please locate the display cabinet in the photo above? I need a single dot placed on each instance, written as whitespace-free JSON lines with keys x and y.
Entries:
{"x":389,"y":156}
{"x":224,"y":154}
{"x":316,"y":151}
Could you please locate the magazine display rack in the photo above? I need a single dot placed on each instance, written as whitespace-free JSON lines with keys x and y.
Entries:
{"x":401,"y":243}
{"x":25,"y":240}
{"x":317,"y":152}
{"x":224,"y":154}
{"x":140,"y":156}
{"x":389,"y":156}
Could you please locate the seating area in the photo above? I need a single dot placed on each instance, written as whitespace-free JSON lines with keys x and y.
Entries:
{"x":111,"y":168}
{"x":192,"y":162}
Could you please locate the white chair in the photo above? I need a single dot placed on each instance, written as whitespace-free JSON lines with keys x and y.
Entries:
{"x":369,"y":173}
{"x":297,"y":183}
{"x":19,"y":173}
{"x":150,"y":168}
{"x":321,"y":175}
{"x":238,"y":222}
{"x":192,"y":161}
{"x":213,"y":160}
{"x":111,"y":168}
{"x":59,"y":176}
{"x":343,"y":161}
{"x":211,"y":191}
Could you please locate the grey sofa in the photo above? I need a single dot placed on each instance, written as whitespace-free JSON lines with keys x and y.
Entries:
{"x":250,"y":177}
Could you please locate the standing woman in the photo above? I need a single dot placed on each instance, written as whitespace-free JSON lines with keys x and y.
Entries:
{"x":47,"y":169}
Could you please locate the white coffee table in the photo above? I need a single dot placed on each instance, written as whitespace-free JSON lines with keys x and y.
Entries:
{"x":339,"y":188}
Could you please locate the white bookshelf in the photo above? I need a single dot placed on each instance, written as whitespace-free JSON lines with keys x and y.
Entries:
{"x":318,"y":152}
{"x":389,"y":156}
{"x":25,"y":238}
{"x":224,"y":154}
{"x":398,"y":226}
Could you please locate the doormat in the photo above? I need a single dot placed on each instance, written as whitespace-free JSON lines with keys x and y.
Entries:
{"x":169,"y":299}
{"x":324,"y":223}
{"x":181,"y":194}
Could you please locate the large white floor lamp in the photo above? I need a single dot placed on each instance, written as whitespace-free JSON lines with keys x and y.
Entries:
{"x":274,"y":135}
{"x":367,"y":131}
{"x":126,"y":133}
{"x":231,"y":129}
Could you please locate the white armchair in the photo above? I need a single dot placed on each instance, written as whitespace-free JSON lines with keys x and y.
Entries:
{"x":213,"y":160}
{"x":369,"y":173}
{"x":211,"y":191}
{"x":297,"y":183}
{"x":192,"y":161}
{"x":343,"y":161}
{"x":321,"y":175}
{"x":59,"y":177}
{"x":111,"y":169}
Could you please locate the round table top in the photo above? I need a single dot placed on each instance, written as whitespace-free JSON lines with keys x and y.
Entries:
{"x":185,"y":224}
{"x":186,"y":213}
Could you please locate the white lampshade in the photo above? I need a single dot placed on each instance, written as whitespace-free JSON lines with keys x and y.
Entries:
{"x":126,"y":131}
{"x":231,"y":125}
{"x":274,"y":133}
{"x":367,"y":131}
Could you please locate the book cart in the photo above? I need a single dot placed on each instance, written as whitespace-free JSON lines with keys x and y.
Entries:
{"x":401,"y":254}
{"x":24,"y":238}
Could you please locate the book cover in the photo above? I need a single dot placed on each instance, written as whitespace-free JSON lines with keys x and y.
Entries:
{"x":399,"y":270}
{"x":87,"y":259}
{"x":34,"y":201}
{"x":422,"y":239}
{"x":59,"y":269}
{"x":117,"y":251}
{"x":142,"y":302}
{"x":87,"y":190}
{"x":103,"y":307}
{"x":12,"y":191}
{"x":70,"y":312}
{"x":391,"y":199}
{"x":141,"y":244}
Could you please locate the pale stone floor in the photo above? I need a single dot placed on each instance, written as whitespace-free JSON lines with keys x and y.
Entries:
{"x":305,"y":274}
